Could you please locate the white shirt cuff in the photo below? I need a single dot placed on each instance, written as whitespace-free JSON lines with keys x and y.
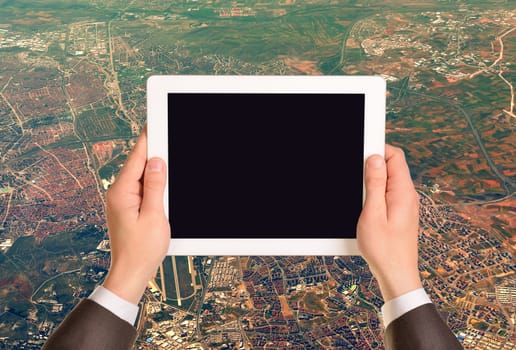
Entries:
{"x":398,"y":306}
{"x":120,"y":307}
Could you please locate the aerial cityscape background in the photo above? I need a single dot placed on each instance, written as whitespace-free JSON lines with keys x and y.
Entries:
{"x":73,"y":101}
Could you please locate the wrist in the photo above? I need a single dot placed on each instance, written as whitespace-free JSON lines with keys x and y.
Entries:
{"x":127,"y":285}
{"x":396,"y":285}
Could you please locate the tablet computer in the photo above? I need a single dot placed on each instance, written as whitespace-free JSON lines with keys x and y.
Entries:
{"x":265,"y":165}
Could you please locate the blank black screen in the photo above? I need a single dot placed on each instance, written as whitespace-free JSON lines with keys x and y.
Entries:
{"x":245,"y":165}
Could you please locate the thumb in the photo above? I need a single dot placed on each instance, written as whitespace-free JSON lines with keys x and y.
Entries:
{"x":375,"y":185}
{"x":153,"y":187}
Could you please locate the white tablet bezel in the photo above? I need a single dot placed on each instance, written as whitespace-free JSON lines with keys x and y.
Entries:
{"x":158,"y":87}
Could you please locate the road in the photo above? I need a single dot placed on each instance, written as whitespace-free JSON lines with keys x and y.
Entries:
{"x":499,"y":38}
{"x":176,"y":280}
{"x":89,"y":163}
{"x":204,"y":284}
{"x":61,"y":165}
{"x":50,"y":279}
{"x":115,"y":86}
{"x":506,"y":183}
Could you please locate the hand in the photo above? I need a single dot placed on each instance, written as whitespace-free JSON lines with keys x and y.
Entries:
{"x":138,"y":229}
{"x":387,"y":230}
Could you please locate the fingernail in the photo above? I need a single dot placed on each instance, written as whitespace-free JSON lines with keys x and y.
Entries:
{"x":154,"y":165}
{"x":376,"y":161}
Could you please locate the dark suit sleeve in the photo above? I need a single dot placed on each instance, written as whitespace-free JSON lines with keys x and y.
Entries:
{"x":420,"y":329}
{"x":90,"y":326}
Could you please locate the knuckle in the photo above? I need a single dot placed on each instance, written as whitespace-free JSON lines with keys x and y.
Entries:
{"x":375,"y":181}
{"x":399,"y":152}
{"x":154,"y":183}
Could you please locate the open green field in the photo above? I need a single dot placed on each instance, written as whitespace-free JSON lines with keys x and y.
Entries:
{"x":41,"y":15}
{"x":22,"y":271}
{"x":101,"y":122}
{"x":112,"y":168}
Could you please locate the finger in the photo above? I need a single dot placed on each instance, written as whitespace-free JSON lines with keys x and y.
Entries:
{"x":402,"y":198}
{"x":375,"y":185}
{"x":397,"y":170}
{"x":153,"y":188}
{"x":135,"y":164}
